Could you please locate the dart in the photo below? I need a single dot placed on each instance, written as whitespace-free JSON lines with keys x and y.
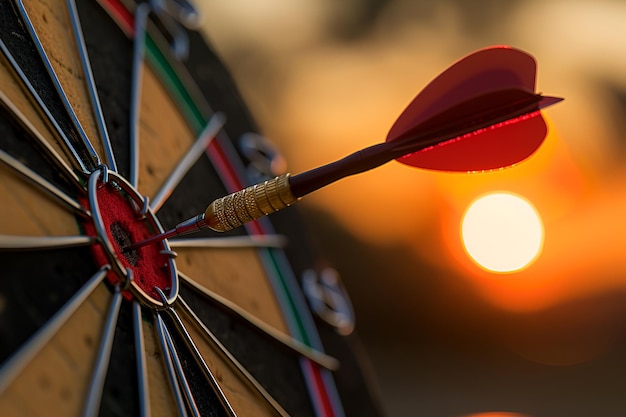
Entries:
{"x":480,"y":114}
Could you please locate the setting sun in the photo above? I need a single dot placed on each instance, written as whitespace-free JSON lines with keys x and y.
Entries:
{"x":502,"y":232}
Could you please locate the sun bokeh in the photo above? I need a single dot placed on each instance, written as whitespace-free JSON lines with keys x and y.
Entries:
{"x":502,"y":232}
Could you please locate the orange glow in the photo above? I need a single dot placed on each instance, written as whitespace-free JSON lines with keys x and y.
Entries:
{"x":497,"y":414}
{"x":584,"y":230}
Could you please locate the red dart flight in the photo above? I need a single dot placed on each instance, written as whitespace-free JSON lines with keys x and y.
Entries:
{"x":489,"y":99}
{"x":480,"y":114}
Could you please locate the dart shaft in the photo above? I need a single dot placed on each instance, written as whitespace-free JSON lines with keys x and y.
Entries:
{"x":486,"y":89}
{"x":268,"y":197}
{"x":259,"y":200}
{"x":355,"y":163}
{"x":238,"y":208}
{"x":234,"y":210}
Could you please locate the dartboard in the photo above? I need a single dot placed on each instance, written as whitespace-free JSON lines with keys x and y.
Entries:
{"x":117,"y":122}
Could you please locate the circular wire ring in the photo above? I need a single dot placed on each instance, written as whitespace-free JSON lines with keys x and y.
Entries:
{"x":143,"y":212}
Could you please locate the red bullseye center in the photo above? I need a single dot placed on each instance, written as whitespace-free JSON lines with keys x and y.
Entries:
{"x":149,"y":268}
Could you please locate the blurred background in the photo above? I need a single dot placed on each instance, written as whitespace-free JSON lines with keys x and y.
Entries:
{"x":445,"y":335}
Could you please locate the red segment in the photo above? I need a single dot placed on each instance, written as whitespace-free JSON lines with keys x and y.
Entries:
{"x":120,"y":14}
{"x":122,"y":228}
{"x":325,"y":407}
{"x":483,"y":72}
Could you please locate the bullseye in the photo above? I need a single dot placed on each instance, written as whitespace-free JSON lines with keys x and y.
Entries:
{"x":124,"y":239}
{"x":120,"y":218}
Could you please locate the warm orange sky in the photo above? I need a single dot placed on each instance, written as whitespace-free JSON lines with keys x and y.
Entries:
{"x":335,"y":98}
{"x":321,"y":94}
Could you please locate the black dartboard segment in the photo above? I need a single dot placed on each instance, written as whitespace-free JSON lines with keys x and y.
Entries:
{"x":119,"y":395}
{"x":47,"y":279}
{"x":110,"y":52}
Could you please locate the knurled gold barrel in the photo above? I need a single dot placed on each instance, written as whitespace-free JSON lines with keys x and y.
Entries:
{"x":251,"y":203}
